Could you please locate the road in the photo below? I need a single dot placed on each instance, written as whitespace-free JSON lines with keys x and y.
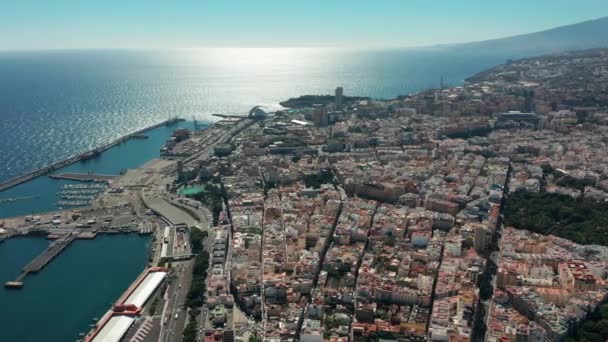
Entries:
{"x":182,"y":209}
{"x":192,"y":208}
{"x":207,"y":152}
{"x":172,"y":328}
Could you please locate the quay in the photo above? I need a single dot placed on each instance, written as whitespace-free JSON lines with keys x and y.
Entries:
{"x":84,"y":177}
{"x":42,"y":260}
{"x":115,"y":323}
{"x":81,"y":157}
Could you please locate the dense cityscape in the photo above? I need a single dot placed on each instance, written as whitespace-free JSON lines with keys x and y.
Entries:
{"x":358,"y":219}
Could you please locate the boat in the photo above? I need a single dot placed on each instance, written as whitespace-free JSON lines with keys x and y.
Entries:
{"x":89,"y":155}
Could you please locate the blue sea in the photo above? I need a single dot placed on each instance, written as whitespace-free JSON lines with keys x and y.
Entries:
{"x":56,"y":104}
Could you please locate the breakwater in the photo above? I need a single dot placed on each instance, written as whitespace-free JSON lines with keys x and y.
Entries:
{"x":80,"y":157}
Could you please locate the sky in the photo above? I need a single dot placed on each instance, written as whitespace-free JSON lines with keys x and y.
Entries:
{"x":94,"y":24}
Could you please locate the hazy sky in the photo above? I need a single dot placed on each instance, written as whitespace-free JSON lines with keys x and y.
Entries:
{"x":59,"y":24}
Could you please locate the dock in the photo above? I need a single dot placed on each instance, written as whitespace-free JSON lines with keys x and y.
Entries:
{"x":42,"y":260}
{"x":84,"y":177}
{"x":14,"y":199}
{"x":81,"y":157}
{"x":230,"y":116}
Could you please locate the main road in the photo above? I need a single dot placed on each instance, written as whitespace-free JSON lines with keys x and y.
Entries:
{"x":173,"y":317}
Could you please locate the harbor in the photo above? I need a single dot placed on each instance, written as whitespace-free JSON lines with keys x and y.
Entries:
{"x":118,"y":192}
{"x":43,"y":194}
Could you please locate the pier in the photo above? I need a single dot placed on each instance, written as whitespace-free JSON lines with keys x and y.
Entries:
{"x":81,"y":157}
{"x":230,"y":116}
{"x":14,"y":199}
{"x":62,"y":241}
{"x":84,"y":177}
{"x":42,"y":260}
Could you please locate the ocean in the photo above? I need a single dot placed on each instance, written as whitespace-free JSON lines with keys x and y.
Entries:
{"x":58,"y":103}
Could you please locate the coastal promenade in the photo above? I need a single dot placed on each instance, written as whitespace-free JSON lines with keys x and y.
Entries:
{"x":83,"y":156}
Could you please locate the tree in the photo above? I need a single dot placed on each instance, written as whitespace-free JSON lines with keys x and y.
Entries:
{"x":190,"y":331}
{"x":196,"y":239}
{"x":254,"y":337}
{"x":582,"y":220}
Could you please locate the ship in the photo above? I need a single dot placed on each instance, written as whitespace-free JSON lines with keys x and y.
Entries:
{"x":89,"y":155}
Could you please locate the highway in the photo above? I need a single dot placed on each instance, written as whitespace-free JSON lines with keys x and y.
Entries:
{"x":202,"y":317}
{"x":172,"y":328}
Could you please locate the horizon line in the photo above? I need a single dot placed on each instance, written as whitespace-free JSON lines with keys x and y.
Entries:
{"x":303,"y":46}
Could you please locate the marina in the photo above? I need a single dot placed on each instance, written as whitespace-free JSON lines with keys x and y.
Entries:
{"x":78,"y":195}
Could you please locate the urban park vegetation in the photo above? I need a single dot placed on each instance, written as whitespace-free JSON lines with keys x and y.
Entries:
{"x":196,"y":295}
{"x":212,"y":198}
{"x":583,"y":221}
{"x":594,"y":328}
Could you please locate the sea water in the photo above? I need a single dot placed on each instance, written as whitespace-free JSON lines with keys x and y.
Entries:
{"x":80,"y":284}
{"x":60,"y":103}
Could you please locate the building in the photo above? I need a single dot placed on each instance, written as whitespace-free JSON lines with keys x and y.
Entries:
{"x":339,"y":98}
{"x":483,"y":237}
{"x":320,"y":116}
{"x":518,"y":119}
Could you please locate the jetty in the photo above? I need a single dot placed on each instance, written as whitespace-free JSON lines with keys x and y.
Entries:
{"x":81,"y":157}
{"x":230,"y":116}
{"x":14,"y":199}
{"x":84,"y":177}
{"x":42,"y":260}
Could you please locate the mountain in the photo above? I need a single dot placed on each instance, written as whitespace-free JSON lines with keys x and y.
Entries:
{"x":584,"y":35}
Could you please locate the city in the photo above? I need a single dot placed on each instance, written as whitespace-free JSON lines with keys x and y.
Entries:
{"x":362,"y":219}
